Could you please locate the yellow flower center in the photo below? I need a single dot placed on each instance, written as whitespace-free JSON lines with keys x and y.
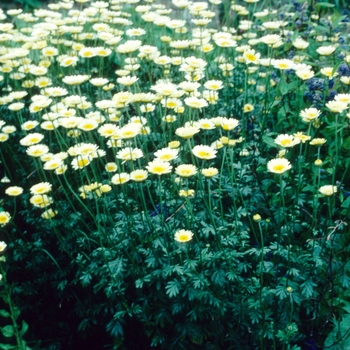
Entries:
{"x":83,"y":162}
{"x":285,"y":142}
{"x":278,"y":168}
{"x":250,"y":57}
{"x":158,"y":169}
{"x":203,"y":154}
{"x":183,"y":238}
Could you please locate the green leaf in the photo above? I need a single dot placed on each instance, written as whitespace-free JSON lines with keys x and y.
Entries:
{"x":339,"y":337}
{"x":275,"y":103}
{"x":7,"y":331}
{"x":346,"y":203}
{"x":324,"y":5}
{"x":198,"y":282}
{"x":139,"y":283}
{"x":293,"y":272}
{"x":335,"y":18}
{"x":346,"y":144}
{"x":178,"y":269}
{"x":85,"y":279}
{"x":281,"y":292}
{"x":281,"y":115}
{"x":307,"y":288}
{"x":344,"y":280}
{"x":151,"y":261}
{"x":172,"y":288}
{"x":119,"y":314}
{"x":308,"y":188}
{"x":7,"y":347}
{"x":284,"y":87}
{"x":177,"y":308}
{"x":4,"y":313}
{"x":321,"y":29}
{"x":246,"y":191}
{"x":24,"y":328}
{"x":346,"y":306}
{"x":231,"y":276}
{"x":218,"y":277}
{"x":116,"y":266}
{"x":134,"y":310}
{"x":269,"y":141}
{"x":293,"y":85}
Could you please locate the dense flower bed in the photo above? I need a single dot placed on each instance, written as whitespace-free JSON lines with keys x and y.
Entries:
{"x":179,"y":170}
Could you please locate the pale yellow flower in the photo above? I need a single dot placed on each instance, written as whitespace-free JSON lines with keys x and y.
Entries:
{"x":337,"y":106}
{"x":328,"y":72}
{"x":3,"y":246}
{"x":159,"y":167}
{"x":278,"y":165}
{"x":229,"y":124}
{"x":139,"y":175}
{"x":5,"y":218}
{"x":300,"y":43}
{"x":195,"y":102}
{"x":14,"y":191}
{"x":251,"y":56}
{"x":309,"y":114}
{"x":29,"y":125}
{"x":328,"y":190}
{"x":345,"y":98}
{"x":183,"y":236}
{"x":111,"y":167}
{"x":129,"y":153}
{"x":317,"y":142}
{"x":286,"y":140}
{"x":204,"y":152}
{"x":49,"y":214}
{"x":187,"y":193}
{"x":41,"y":188}
{"x":174,"y":144}
{"x":37,"y":150}
{"x":325,"y":50}
{"x":40,"y":201}
{"x":53,"y":164}
{"x":248,"y":108}
{"x":186,"y":170}
{"x":167,"y":154}
{"x":119,"y":179}
{"x":302,"y":137}
{"x":80,"y":162}
{"x":257,"y":218}
{"x":187,"y":132}
{"x":129,"y":131}
{"x":209,"y":172}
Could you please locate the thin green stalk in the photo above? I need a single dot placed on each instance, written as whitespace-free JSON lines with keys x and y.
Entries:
{"x":13,"y":314}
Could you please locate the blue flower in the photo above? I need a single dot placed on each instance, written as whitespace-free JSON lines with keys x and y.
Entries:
{"x":331,"y":83}
{"x":344,"y":70}
{"x":315,"y":84}
{"x":157,"y":210}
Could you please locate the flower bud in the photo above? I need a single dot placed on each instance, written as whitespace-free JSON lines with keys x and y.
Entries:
{"x":257,"y":218}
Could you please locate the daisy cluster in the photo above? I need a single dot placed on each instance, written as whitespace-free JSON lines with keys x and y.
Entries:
{"x":115,"y":92}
